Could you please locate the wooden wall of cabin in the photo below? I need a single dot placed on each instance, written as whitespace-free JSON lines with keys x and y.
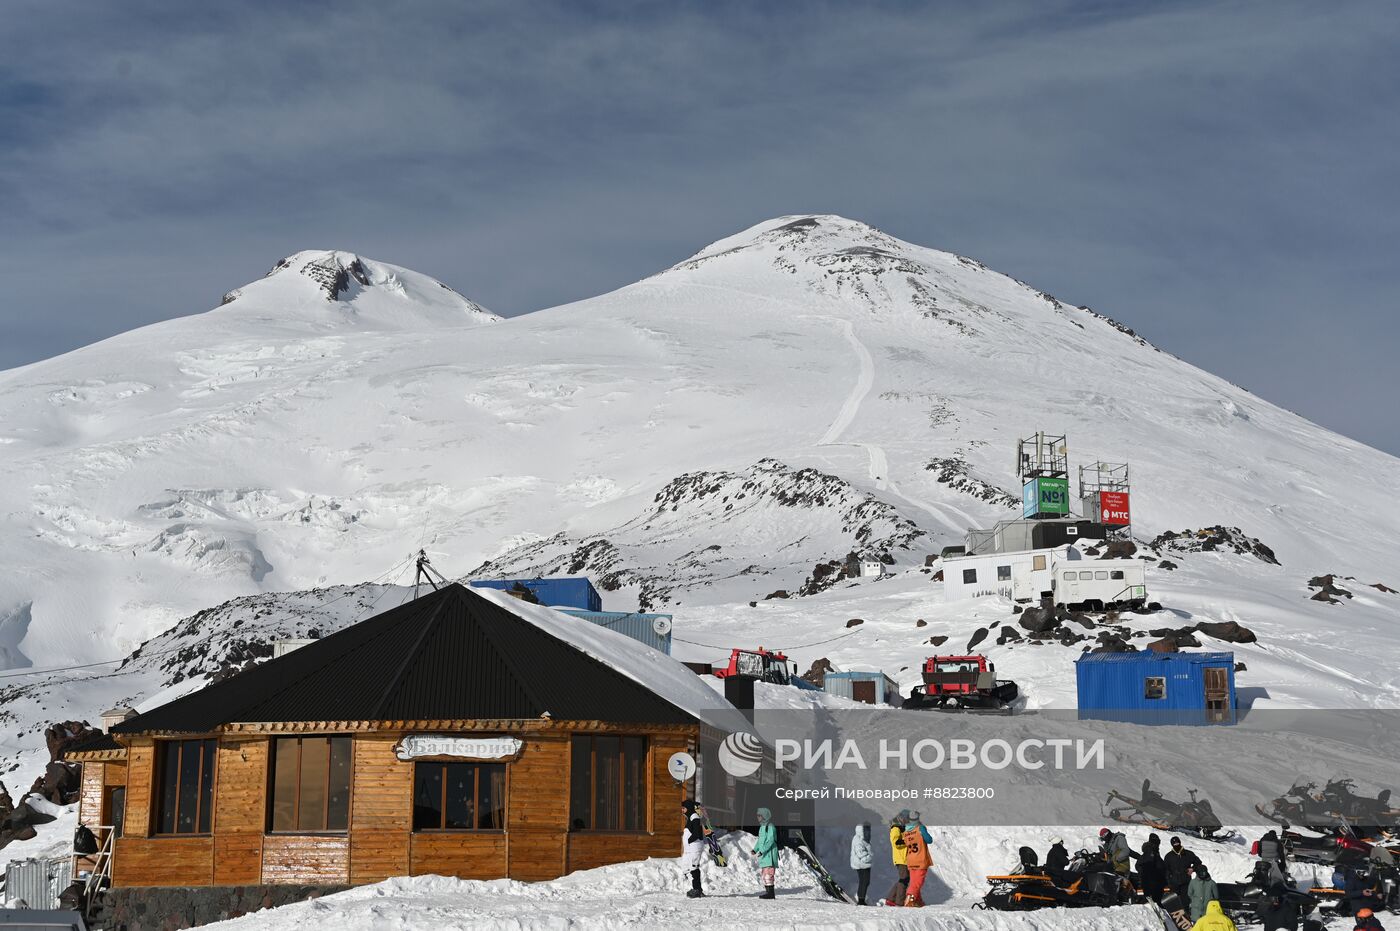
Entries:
{"x":588,"y":850}
{"x":240,"y":810}
{"x":536,"y":845}
{"x":90,"y":794}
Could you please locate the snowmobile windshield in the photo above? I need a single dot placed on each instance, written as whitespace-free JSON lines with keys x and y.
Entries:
{"x":956,"y":667}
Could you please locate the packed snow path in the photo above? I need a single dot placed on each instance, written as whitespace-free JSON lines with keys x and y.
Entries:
{"x":622,"y":897}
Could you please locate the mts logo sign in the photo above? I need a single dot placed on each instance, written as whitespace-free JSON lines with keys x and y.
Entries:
{"x":1113,"y":508}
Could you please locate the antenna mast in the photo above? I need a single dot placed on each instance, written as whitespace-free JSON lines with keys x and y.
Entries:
{"x":426,"y":573}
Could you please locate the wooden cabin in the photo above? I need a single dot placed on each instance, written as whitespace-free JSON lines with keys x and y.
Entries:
{"x":457,"y":734}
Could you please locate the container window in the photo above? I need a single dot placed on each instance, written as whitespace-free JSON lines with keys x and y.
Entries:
{"x":1086,"y":576}
{"x":1069,"y":576}
{"x":185,"y":786}
{"x":969,"y":576}
{"x":1101,"y":575}
{"x":1038,"y":564}
{"x":1116,"y":574}
{"x":1154,"y":687}
{"x":1003,"y":573}
{"x":609,"y":784}
{"x":459,"y":796}
{"x":310,"y":785}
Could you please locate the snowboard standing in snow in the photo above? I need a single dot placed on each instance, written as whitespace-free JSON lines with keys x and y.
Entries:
{"x":828,"y":882}
{"x":711,"y":841}
{"x":1174,"y":913}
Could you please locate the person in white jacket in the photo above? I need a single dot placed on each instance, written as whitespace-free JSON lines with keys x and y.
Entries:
{"x":861,"y":858}
{"x":692,"y":847}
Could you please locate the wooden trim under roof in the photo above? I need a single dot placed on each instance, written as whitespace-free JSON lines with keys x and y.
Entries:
{"x":513,"y":725}
{"x":95,"y":756}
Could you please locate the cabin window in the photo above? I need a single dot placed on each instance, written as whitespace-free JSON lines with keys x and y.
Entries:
{"x":1116,"y":575}
{"x":1154,"y":687}
{"x":1003,"y":573}
{"x":608,"y":784}
{"x":310,"y":784}
{"x":969,"y":576}
{"x":1038,"y":564}
{"x":1101,"y":575}
{"x":185,"y":782}
{"x":459,"y":797}
{"x":1086,"y":576}
{"x":1069,"y":576}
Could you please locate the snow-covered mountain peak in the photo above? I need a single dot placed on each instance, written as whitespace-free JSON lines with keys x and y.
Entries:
{"x":809,"y":236}
{"x":334,"y":286}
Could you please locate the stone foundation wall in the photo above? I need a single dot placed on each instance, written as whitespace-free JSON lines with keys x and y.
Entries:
{"x":170,"y":908}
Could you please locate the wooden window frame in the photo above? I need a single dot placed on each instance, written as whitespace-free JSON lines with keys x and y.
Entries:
{"x":476,"y":796}
{"x":158,"y":793}
{"x":621,"y":784}
{"x":296,"y":803}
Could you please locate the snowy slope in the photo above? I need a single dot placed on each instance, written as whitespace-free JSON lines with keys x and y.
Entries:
{"x":304,"y":435}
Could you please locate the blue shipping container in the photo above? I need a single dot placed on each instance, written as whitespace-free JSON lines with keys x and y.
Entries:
{"x":556,"y":593}
{"x":1157,"y":688}
{"x":643,"y":628}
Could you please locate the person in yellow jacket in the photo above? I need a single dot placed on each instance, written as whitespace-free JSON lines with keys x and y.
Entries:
{"x":1214,"y":919}
{"x":897,"y":853}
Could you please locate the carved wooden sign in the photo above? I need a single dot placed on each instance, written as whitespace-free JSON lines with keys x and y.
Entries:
{"x":417,"y":746}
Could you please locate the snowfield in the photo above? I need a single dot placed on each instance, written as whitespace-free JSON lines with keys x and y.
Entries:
{"x":649,"y":894}
{"x":708,"y":442}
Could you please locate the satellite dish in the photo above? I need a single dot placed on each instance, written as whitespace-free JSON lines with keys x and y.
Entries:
{"x":661,"y":626}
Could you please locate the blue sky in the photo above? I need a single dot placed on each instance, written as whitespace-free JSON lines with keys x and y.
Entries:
{"x":1219,"y":176}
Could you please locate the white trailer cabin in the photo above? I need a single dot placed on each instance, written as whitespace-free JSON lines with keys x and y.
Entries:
{"x":1062,"y":574}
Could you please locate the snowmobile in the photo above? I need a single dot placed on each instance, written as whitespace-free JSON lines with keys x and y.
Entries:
{"x":1299,"y":805}
{"x":1088,"y":882}
{"x":1244,"y":897}
{"x":1339,"y":797}
{"x":1151,"y":808}
{"x":962,"y":683}
{"x":798,"y":845}
{"x":1329,"y":845}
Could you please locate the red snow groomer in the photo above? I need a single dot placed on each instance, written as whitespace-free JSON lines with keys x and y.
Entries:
{"x":962,"y":683}
{"x":763,"y":665}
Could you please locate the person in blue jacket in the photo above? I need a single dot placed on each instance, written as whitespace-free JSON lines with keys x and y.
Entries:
{"x":767,"y":850}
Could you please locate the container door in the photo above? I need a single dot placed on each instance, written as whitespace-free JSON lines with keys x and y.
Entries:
{"x":1217,"y":687}
{"x":863,"y":690}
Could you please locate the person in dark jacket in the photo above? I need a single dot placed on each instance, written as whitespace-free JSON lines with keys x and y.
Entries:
{"x":1361,"y":891}
{"x":1278,"y":913}
{"x":1152,"y":872}
{"x":692,"y":846}
{"x":1178,"y":863}
{"x":1272,"y":849}
{"x":1056,"y":858}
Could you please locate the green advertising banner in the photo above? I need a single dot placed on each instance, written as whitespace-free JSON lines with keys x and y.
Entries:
{"x":1045,"y":496}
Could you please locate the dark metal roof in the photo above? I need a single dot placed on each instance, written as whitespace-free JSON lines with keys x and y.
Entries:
{"x":452,"y":654}
{"x":95,"y":741}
